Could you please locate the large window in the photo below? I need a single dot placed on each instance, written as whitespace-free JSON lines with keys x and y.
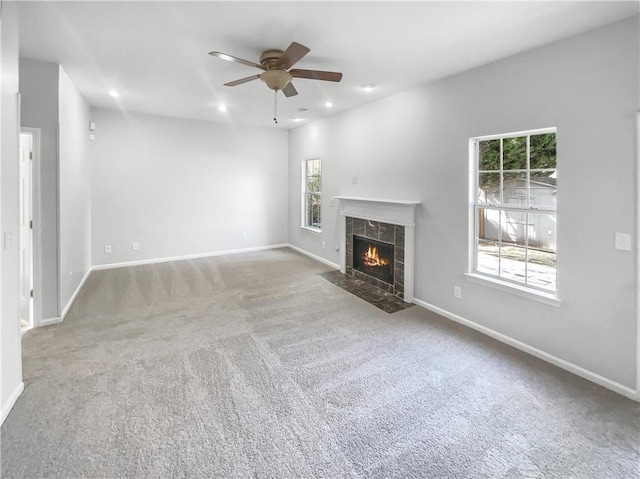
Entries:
{"x":312,"y":193}
{"x":515,"y":217}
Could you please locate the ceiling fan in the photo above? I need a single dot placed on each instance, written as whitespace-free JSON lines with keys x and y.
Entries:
{"x":276,"y":65}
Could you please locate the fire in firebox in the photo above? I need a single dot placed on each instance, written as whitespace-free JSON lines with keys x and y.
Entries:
{"x":371,"y":257}
{"x":374,"y":258}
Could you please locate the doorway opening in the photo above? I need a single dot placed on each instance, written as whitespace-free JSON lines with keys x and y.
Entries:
{"x":26,"y":230}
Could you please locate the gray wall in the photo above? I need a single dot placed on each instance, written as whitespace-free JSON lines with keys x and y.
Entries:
{"x":10,"y":347}
{"x":75,"y":188}
{"x":180,"y":187}
{"x":414,"y":145}
{"x":39,"y":82}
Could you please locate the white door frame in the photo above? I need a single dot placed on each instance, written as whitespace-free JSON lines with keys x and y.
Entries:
{"x":36,"y":258}
{"x":638,"y":255}
{"x":26,"y":231}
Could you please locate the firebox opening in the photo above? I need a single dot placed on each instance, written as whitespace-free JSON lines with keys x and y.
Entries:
{"x":374,"y":258}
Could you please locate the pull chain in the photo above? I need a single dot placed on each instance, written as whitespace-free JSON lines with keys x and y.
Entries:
{"x":275,"y":106}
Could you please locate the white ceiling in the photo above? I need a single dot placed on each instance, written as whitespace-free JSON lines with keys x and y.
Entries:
{"x":156,"y":53}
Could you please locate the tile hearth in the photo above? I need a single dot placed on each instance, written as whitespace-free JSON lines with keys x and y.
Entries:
{"x":379,"y":298}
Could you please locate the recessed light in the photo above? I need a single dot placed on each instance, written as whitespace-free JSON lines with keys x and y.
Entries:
{"x":114,"y":93}
{"x":328,"y":104}
{"x":297,"y":119}
{"x":222,"y":107}
{"x":368,"y":86}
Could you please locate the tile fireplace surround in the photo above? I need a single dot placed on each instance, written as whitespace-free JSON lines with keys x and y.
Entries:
{"x":390,"y":221}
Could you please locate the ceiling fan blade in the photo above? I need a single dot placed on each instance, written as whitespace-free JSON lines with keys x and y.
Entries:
{"x":229,"y":58}
{"x":242,"y":80}
{"x":289,"y":90}
{"x":292,"y":54}
{"x":316,"y":75}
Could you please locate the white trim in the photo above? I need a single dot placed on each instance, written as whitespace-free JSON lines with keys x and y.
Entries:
{"x":65,"y":311}
{"x":59,"y":319}
{"x":303,"y":216}
{"x":50,"y":321}
{"x":520,"y":289}
{"x":6,"y":407}
{"x":36,"y":247}
{"x":638,"y":253}
{"x":515,"y":288}
{"x":75,"y":294}
{"x":377,"y":200}
{"x":561,"y":363}
{"x":514,"y":134}
{"x":317,"y":231}
{"x":188,"y":256}
{"x":313,"y":256}
{"x":396,"y":212}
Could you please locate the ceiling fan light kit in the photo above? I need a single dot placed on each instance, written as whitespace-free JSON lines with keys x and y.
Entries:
{"x":276,"y":79}
{"x":277,"y":73}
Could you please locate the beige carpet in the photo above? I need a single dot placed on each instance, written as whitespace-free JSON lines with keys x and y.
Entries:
{"x":253,"y":365}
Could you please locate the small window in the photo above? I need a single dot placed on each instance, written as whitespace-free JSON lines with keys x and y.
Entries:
{"x":515,"y":219}
{"x":312,"y":194}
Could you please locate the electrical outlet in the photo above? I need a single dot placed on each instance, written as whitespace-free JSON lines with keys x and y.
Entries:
{"x":332,"y":202}
{"x":354,"y":180}
{"x":245,"y":236}
{"x":457,"y":292}
{"x":135,"y":246}
{"x":107,"y":249}
{"x":70,"y":275}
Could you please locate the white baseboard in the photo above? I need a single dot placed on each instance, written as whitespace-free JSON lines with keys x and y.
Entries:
{"x":316,"y":257}
{"x":189,"y":256}
{"x":49,"y":321}
{"x":75,"y":294}
{"x":65,"y":311}
{"x":6,"y":407}
{"x":561,"y":363}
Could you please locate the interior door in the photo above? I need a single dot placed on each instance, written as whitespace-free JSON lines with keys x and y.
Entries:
{"x":26,"y":154}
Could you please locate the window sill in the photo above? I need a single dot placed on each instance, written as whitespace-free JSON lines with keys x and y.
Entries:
{"x":311,"y":230}
{"x":540,"y":296}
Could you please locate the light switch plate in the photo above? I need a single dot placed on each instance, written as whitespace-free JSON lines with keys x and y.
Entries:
{"x":7,"y":239}
{"x":623,"y":241}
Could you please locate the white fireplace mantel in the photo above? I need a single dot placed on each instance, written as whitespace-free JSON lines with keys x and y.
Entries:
{"x":396,"y":212}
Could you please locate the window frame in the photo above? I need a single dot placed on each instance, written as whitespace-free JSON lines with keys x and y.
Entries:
{"x":306,"y":195}
{"x":546,"y":295}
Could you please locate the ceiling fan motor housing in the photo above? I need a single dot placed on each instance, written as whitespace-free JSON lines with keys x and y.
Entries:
{"x":270,"y":59}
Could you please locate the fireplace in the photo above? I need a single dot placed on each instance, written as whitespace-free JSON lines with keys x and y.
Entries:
{"x":388,"y":227}
{"x":375,"y":253}
{"x":374,"y":258}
